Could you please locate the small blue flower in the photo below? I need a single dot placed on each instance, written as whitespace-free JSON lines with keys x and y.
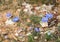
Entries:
{"x":37,"y":29}
{"x":8,"y":15}
{"x":44,"y":19}
{"x":15,"y":19}
{"x":49,"y":15}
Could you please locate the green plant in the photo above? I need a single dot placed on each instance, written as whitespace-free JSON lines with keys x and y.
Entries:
{"x":18,"y":24}
{"x":59,"y":28}
{"x":34,"y":1}
{"x":34,"y":33}
{"x":30,"y":38}
{"x":35,"y":19}
{"x":21,"y":13}
{"x":13,"y":40}
{"x":48,"y":37}
{"x":58,"y":40}
{"x":28,"y":23}
{"x":0,"y":2}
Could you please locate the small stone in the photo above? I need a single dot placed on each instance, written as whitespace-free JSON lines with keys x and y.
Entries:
{"x":58,"y":24}
{"x":36,"y":37}
{"x":0,"y":30}
{"x":44,"y":24}
{"x":45,"y":40}
{"x":8,"y":22}
{"x":6,"y":36}
{"x":23,"y":39}
{"x":16,"y":34}
{"x":0,"y":24}
{"x":41,"y":33}
{"x":58,"y":17}
{"x":28,"y":34}
{"x":18,"y":10}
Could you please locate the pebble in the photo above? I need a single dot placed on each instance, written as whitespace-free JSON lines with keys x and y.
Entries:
{"x":16,"y":34}
{"x":6,"y":37}
{"x":36,"y":37}
{"x":28,"y":33}
{"x":9,"y":22}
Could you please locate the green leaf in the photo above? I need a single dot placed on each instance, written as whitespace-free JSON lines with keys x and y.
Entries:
{"x":30,"y":38}
{"x":59,"y":28}
{"x":58,"y":40}
{"x":48,"y":37}
{"x":35,"y":19}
